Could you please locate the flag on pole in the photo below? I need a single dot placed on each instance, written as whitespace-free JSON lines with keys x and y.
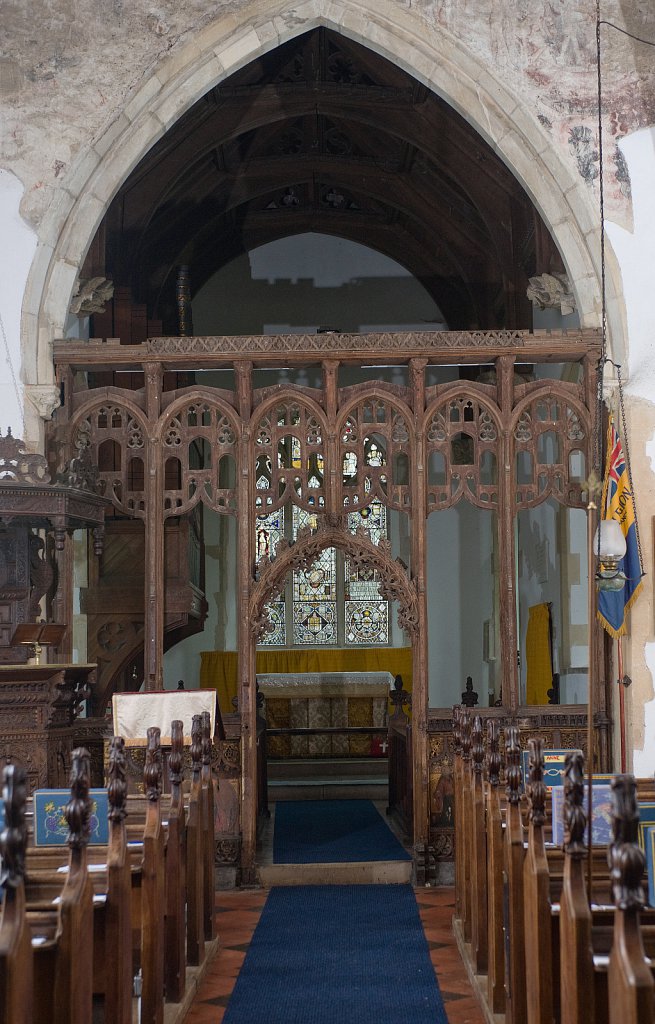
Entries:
{"x":618,"y":503}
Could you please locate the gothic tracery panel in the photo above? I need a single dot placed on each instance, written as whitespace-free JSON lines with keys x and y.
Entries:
{"x":550,"y":436}
{"x":462,"y":440}
{"x":116,"y":439}
{"x":375,"y":441}
{"x":199,"y":442}
{"x":289,"y":457}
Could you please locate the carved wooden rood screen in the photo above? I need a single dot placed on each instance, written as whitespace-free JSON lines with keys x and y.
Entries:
{"x":167,"y":443}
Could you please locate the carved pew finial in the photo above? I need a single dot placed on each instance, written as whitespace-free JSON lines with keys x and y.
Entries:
{"x":457,"y":728}
{"x":575,"y":819}
{"x":175,"y":758}
{"x":466,"y":734}
{"x":117,"y":785}
{"x":477,"y":747}
{"x":513,"y":762}
{"x":152,"y":772}
{"x":206,"y":738}
{"x":196,"y":746}
{"x":627,"y":860}
{"x":13,"y":838}
{"x":78,"y":808}
{"x":493,"y":752}
{"x":536,"y":787}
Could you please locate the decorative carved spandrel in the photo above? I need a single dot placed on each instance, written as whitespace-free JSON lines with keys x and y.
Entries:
{"x":78,"y":808}
{"x":13,"y":838}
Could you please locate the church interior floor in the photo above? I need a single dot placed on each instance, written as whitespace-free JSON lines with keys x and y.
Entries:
{"x":237,"y":914}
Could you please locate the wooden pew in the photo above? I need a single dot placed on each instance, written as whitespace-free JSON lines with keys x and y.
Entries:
{"x":477,"y":853}
{"x":459,"y":817}
{"x":630,"y":977}
{"x":153,"y":891}
{"x":515,"y":995}
{"x":113,"y":928}
{"x":16,"y":957}
{"x":536,"y":893}
{"x":577,"y":985}
{"x":195,"y":854}
{"x":467,"y":813}
{"x":63,"y":937}
{"x":209,"y":894}
{"x":175,"y":940}
{"x":494,"y":827}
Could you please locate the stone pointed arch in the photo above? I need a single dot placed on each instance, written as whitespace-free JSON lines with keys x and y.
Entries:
{"x":430,"y":53}
{"x":395,"y":584}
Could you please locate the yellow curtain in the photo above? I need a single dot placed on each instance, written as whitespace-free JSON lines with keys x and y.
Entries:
{"x":537,"y":653}
{"x":219,"y":669}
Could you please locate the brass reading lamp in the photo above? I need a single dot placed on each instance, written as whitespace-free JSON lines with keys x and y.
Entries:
{"x":38,"y":635}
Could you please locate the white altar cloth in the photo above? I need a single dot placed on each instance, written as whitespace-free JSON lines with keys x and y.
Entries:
{"x":325,"y":684}
{"x":135,"y":713}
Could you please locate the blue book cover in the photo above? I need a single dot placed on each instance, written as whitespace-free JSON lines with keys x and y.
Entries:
{"x":50,"y":828}
{"x":646,"y":818}
{"x":649,"y":841}
{"x":553,"y":767}
{"x":601,"y":813}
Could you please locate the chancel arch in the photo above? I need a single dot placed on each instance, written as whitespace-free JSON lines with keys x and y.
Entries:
{"x":424,"y":449}
{"x":433,"y":56}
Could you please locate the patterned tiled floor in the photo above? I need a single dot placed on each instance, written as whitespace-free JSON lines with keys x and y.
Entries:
{"x":237,"y":916}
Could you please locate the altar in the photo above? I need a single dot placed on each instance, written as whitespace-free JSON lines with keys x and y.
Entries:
{"x":330,"y":701}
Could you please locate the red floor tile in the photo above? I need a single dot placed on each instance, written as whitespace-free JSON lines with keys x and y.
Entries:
{"x":237,"y":916}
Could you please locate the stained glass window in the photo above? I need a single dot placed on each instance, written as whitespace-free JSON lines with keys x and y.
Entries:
{"x":314,"y":622}
{"x":269,"y":531}
{"x":332,"y":601}
{"x":366,"y":615}
{"x":366,"y":622}
{"x":277,"y":635}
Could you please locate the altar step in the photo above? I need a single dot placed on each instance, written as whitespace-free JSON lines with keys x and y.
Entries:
{"x":365,"y":778}
{"x":370,"y":872}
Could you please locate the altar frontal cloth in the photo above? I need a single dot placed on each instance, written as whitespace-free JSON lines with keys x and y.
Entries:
{"x":135,"y":713}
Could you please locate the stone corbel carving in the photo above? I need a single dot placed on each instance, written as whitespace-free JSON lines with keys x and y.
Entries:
{"x":550,"y":291}
{"x":44,"y":397}
{"x":91,"y":295}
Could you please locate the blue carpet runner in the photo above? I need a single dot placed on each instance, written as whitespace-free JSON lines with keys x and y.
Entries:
{"x":332,"y":831}
{"x":338,"y":954}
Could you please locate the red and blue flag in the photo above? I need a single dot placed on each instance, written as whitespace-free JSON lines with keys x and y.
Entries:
{"x":618,"y":503}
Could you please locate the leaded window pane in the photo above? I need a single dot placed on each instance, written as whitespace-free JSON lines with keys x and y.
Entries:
{"x":367,"y":622}
{"x":319,"y":582}
{"x":277,"y":636}
{"x":269,"y":531}
{"x":314,"y":622}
